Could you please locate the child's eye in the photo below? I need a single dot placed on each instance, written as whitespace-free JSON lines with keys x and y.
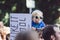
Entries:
{"x":37,"y":17}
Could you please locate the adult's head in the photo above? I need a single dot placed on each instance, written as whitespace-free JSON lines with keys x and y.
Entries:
{"x":51,"y":32}
{"x":37,"y":16}
{"x":28,"y":35}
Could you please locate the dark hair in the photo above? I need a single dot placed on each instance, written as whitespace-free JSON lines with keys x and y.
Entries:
{"x":31,"y":35}
{"x":48,"y":31}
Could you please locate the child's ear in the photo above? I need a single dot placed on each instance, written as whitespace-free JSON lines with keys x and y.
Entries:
{"x":52,"y":37}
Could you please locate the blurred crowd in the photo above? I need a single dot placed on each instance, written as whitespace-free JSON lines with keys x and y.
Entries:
{"x":50,"y":32}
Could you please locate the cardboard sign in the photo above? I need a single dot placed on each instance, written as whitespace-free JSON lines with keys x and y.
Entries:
{"x":19,"y":22}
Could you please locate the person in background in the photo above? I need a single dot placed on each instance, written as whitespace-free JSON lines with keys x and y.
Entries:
{"x":3,"y":31}
{"x":51,"y":32}
{"x":37,"y":20}
{"x":27,"y":35}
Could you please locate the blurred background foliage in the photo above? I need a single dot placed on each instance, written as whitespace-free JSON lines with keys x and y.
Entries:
{"x":50,"y":8}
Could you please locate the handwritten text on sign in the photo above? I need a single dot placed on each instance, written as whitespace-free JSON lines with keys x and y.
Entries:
{"x":19,"y":22}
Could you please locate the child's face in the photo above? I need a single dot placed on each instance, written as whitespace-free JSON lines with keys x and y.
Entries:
{"x":36,"y":19}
